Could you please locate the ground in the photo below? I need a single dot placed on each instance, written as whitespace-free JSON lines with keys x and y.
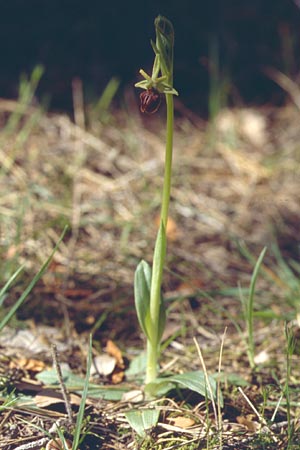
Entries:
{"x":235,"y":191}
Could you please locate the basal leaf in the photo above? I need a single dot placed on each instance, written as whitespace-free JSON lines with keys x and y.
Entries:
{"x":77,"y":384}
{"x":142,"y":420}
{"x":195,"y":381}
{"x":137,"y":366}
{"x":159,"y":387}
{"x":233,"y":379}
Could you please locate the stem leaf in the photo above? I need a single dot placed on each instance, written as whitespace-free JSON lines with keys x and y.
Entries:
{"x":142,"y":285}
{"x":162,"y":319}
{"x":158,"y":313}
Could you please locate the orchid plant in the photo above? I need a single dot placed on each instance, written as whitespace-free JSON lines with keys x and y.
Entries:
{"x":148,"y":299}
{"x":149,"y":302}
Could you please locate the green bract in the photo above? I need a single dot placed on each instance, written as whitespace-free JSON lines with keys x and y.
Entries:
{"x":162,"y":71}
{"x":164,"y":45}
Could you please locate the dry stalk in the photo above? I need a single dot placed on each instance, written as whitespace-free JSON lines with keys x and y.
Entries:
{"x":207,"y":380}
{"x":63,"y":388}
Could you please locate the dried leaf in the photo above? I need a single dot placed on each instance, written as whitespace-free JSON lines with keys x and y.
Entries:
{"x":190,"y":287}
{"x":117,"y":377}
{"x":90,"y":320}
{"x":49,"y":397}
{"x":31,"y":364}
{"x":26,"y":384}
{"x":113,"y":350}
{"x":181,"y":421}
{"x":248,"y":423}
{"x":134,"y":396}
{"x":57,"y":444}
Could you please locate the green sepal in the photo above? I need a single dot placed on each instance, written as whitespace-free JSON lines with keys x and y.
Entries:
{"x":142,"y":286}
{"x":160,"y":86}
{"x":144,"y":84}
{"x":156,"y":64}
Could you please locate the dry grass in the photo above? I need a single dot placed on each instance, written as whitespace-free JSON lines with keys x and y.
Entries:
{"x":235,"y":181}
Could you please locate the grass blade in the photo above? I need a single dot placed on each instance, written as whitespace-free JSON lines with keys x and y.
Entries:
{"x":80,"y":415}
{"x":249,"y":307}
{"x":9,"y":284}
{"x":31,"y":285}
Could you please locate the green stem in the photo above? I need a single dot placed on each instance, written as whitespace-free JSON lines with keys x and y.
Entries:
{"x":152,"y":361}
{"x":168,"y":161}
{"x":153,"y":343}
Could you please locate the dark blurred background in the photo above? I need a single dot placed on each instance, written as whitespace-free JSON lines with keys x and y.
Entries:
{"x":218,"y":43}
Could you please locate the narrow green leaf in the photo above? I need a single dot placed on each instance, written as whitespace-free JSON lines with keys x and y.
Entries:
{"x":80,"y":415}
{"x":142,"y":285}
{"x":142,"y":420}
{"x":255,"y":275}
{"x":249,"y":308}
{"x":9,"y":283}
